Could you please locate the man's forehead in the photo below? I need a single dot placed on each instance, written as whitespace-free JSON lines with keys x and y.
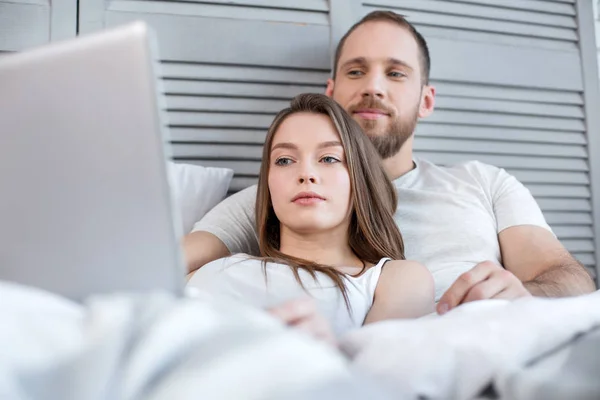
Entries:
{"x":380,"y":41}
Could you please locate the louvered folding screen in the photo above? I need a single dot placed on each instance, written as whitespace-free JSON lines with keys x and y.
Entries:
{"x":30,"y":23}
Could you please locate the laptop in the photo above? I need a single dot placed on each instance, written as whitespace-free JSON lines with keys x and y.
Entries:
{"x":85,"y":203}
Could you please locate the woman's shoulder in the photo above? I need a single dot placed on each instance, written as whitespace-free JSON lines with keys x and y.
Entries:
{"x":407,"y":269}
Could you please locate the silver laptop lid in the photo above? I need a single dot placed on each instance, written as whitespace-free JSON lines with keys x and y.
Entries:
{"x":85,"y":205}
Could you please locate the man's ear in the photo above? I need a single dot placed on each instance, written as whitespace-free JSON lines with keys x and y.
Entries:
{"x":329,"y":89}
{"x":427,"y":101}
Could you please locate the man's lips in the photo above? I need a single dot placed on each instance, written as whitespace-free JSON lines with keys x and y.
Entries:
{"x":371,"y":113}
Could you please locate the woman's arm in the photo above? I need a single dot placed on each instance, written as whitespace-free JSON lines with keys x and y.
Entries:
{"x":405,"y":290}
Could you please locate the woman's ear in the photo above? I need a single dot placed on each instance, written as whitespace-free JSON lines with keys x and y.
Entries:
{"x":427,"y":101}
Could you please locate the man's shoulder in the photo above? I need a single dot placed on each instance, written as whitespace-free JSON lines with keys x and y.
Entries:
{"x":472,"y":168}
{"x":244,"y":196}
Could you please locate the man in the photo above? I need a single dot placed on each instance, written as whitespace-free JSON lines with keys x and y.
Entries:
{"x":477,"y":229}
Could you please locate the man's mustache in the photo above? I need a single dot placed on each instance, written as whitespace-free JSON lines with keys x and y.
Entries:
{"x":372,"y":103}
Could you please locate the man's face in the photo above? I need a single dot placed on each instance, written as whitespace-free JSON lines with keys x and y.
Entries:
{"x":378,"y":81}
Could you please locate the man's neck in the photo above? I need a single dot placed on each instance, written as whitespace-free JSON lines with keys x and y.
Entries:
{"x":326,"y":248}
{"x":402,"y":162}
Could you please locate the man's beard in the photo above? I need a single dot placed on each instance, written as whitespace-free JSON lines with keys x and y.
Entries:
{"x":389,"y":142}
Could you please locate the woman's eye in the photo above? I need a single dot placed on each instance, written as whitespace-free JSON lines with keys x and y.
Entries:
{"x":329,"y":160}
{"x":283,"y":161}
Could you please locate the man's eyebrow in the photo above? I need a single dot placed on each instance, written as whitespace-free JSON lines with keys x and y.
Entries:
{"x":395,"y":61}
{"x":363,"y":61}
{"x":355,"y":60}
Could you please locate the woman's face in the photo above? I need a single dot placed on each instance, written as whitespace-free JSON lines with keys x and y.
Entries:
{"x":308,"y":177}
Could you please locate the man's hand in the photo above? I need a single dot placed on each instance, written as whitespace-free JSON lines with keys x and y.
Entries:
{"x":303,"y":315}
{"x":487,"y":280}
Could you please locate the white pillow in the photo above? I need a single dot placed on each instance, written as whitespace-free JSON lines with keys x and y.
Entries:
{"x":196,"y":190}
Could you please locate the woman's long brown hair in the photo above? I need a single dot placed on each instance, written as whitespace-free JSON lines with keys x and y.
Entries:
{"x":372,"y":232}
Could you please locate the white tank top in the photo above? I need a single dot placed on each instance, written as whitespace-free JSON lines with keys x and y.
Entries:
{"x":242,"y":278}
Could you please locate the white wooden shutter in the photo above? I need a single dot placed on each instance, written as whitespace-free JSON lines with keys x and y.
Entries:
{"x":29,"y":23}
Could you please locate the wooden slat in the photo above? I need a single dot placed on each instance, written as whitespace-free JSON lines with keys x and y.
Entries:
{"x":569,"y":205}
{"x":306,"y":45}
{"x":208,"y":135}
{"x":216,"y":151}
{"x":509,"y":107}
{"x":522,"y":94}
{"x":573,"y":232}
{"x":230,"y":89}
{"x":531,"y":5}
{"x":199,"y":119}
{"x":24,"y":25}
{"x":507,"y":120}
{"x":201,"y":103}
{"x":559,"y":191}
{"x":492,"y":147}
{"x":583,"y":246}
{"x":464,"y":61}
{"x":235,"y":73}
{"x":310,"y":5}
{"x":560,"y":177}
{"x":188,"y":9}
{"x":508,"y":161}
{"x":499,"y":134}
{"x":495,"y":38}
{"x":586,"y":259}
{"x":485,"y":25}
{"x":480,"y":12}
{"x":568,"y":218}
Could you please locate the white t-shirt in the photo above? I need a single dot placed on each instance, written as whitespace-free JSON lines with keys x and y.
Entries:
{"x":242,"y":278}
{"x":449,"y":217}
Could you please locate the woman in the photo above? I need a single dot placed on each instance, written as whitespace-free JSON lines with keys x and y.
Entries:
{"x":324,"y":214}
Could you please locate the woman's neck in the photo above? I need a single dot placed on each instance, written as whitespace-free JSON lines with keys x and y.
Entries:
{"x":326,"y":248}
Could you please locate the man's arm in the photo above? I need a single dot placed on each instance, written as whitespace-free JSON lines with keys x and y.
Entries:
{"x":541,"y":262}
{"x":228,"y":228}
{"x":200,"y":248}
{"x":534,"y":261}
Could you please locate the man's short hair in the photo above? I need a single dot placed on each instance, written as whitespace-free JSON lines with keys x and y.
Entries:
{"x":400,"y":20}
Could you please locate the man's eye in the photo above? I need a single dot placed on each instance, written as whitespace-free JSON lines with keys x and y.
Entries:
{"x":283,"y":161}
{"x":396,"y":74}
{"x":355,"y":72}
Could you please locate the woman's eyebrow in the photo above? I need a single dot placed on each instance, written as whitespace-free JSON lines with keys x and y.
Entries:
{"x":332,"y":143}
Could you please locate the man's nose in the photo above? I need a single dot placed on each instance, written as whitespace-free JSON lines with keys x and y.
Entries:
{"x":374,"y":87}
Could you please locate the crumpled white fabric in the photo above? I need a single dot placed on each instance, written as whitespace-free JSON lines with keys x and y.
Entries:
{"x":154,"y":346}
{"x":456,"y":355}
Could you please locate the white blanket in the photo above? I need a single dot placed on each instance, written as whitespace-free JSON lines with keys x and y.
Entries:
{"x":457,"y":355}
{"x":158,"y":347}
